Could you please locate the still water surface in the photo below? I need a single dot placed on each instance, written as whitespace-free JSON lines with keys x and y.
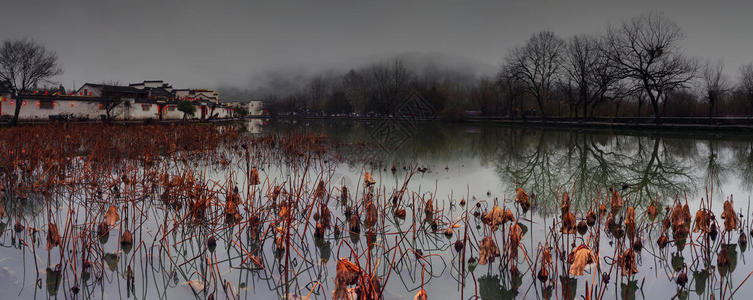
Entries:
{"x":479,"y":163}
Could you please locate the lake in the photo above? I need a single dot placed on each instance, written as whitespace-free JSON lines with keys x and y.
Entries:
{"x":172,"y":188}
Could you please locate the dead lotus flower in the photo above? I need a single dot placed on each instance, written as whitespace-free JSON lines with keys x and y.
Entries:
{"x":487,"y":251}
{"x":112,"y":216}
{"x":579,"y":259}
{"x":680,"y":220}
{"x":702,"y":221}
{"x":429,"y":209}
{"x":515,"y":235}
{"x":347,"y":274}
{"x":522,"y":199}
{"x":565,"y":206}
{"x":497,"y":217}
{"x":421,"y":295}
{"x":616,"y":199}
{"x":127,"y":239}
{"x":53,"y":236}
{"x":568,"y":223}
{"x":368,"y":180}
{"x":627,"y":263}
{"x":652,"y":211}
{"x":255,"y":176}
{"x":729,"y":216}
{"x":355,"y":224}
{"x":591,"y":218}
{"x":630,"y":221}
{"x":371,"y":215}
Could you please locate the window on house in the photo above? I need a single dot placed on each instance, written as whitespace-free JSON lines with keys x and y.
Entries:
{"x":46,"y":105}
{"x":146,"y":107}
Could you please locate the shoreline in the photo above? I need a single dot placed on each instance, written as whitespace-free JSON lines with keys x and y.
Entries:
{"x":643,"y":123}
{"x":722,"y":124}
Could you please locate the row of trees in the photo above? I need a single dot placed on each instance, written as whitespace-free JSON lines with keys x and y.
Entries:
{"x":636,"y":68}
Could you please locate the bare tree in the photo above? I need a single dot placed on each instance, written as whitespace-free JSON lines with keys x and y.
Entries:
{"x":746,"y":82}
{"x":511,"y":89}
{"x":715,"y":84}
{"x":581,"y":58}
{"x":390,"y":83}
{"x":645,"y":50}
{"x":537,"y":63}
{"x":355,"y":90}
{"x":23,"y":65}
{"x":595,"y":77}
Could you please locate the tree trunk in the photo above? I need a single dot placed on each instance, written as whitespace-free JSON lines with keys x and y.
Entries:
{"x":540,"y":102}
{"x":19,"y":102}
{"x":655,"y":104}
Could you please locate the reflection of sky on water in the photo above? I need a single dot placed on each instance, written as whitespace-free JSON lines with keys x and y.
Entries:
{"x":496,"y":159}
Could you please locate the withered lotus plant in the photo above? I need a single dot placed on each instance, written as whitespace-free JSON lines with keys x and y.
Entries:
{"x":652,"y":211}
{"x":112,"y":216}
{"x":591,"y":218}
{"x":568,"y":223}
{"x":53,"y":236}
{"x":680,"y":220}
{"x":429,"y":209}
{"x":421,"y":295}
{"x":255,"y":176}
{"x":325,"y":215}
{"x":344,"y":195}
{"x":616,"y":200}
{"x":702,"y":221}
{"x":497,"y":216}
{"x":630,"y":221}
{"x":662,"y":241}
{"x":368,"y":180}
{"x":627,"y":263}
{"x":565,"y":204}
{"x":347,"y":274}
{"x":516,"y":233}
{"x":232,"y":214}
{"x":371,"y":215}
{"x":321,"y":189}
{"x":488,"y":250}
{"x":126,"y":241}
{"x":546,"y":261}
{"x":729,"y":216}
{"x":579,"y":258}
{"x":521,"y":198}
{"x":355,"y":224}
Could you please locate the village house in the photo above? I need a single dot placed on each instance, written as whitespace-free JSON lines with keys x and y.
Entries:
{"x":253,"y":107}
{"x":140,"y":101}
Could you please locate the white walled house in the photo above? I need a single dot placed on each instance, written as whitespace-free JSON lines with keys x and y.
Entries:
{"x":154,"y":100}
{"x":171,"y":112}
{"x":41,"y":107}
{"x":256,"y":108}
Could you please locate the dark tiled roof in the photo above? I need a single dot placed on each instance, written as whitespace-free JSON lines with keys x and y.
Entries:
{"x":117,"y":89}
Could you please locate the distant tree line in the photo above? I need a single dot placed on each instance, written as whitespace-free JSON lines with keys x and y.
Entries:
{"x":634,"y":69}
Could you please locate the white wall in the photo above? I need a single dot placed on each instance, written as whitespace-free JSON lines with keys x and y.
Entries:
{"x":32,"y":111}
{"x":92,"y":110}
{"x":172,"y":113}
{"x":255,"y":108}
{"x":136,"y":111}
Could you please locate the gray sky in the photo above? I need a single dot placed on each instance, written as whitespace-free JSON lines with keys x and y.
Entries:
{"x":210,"y":43}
